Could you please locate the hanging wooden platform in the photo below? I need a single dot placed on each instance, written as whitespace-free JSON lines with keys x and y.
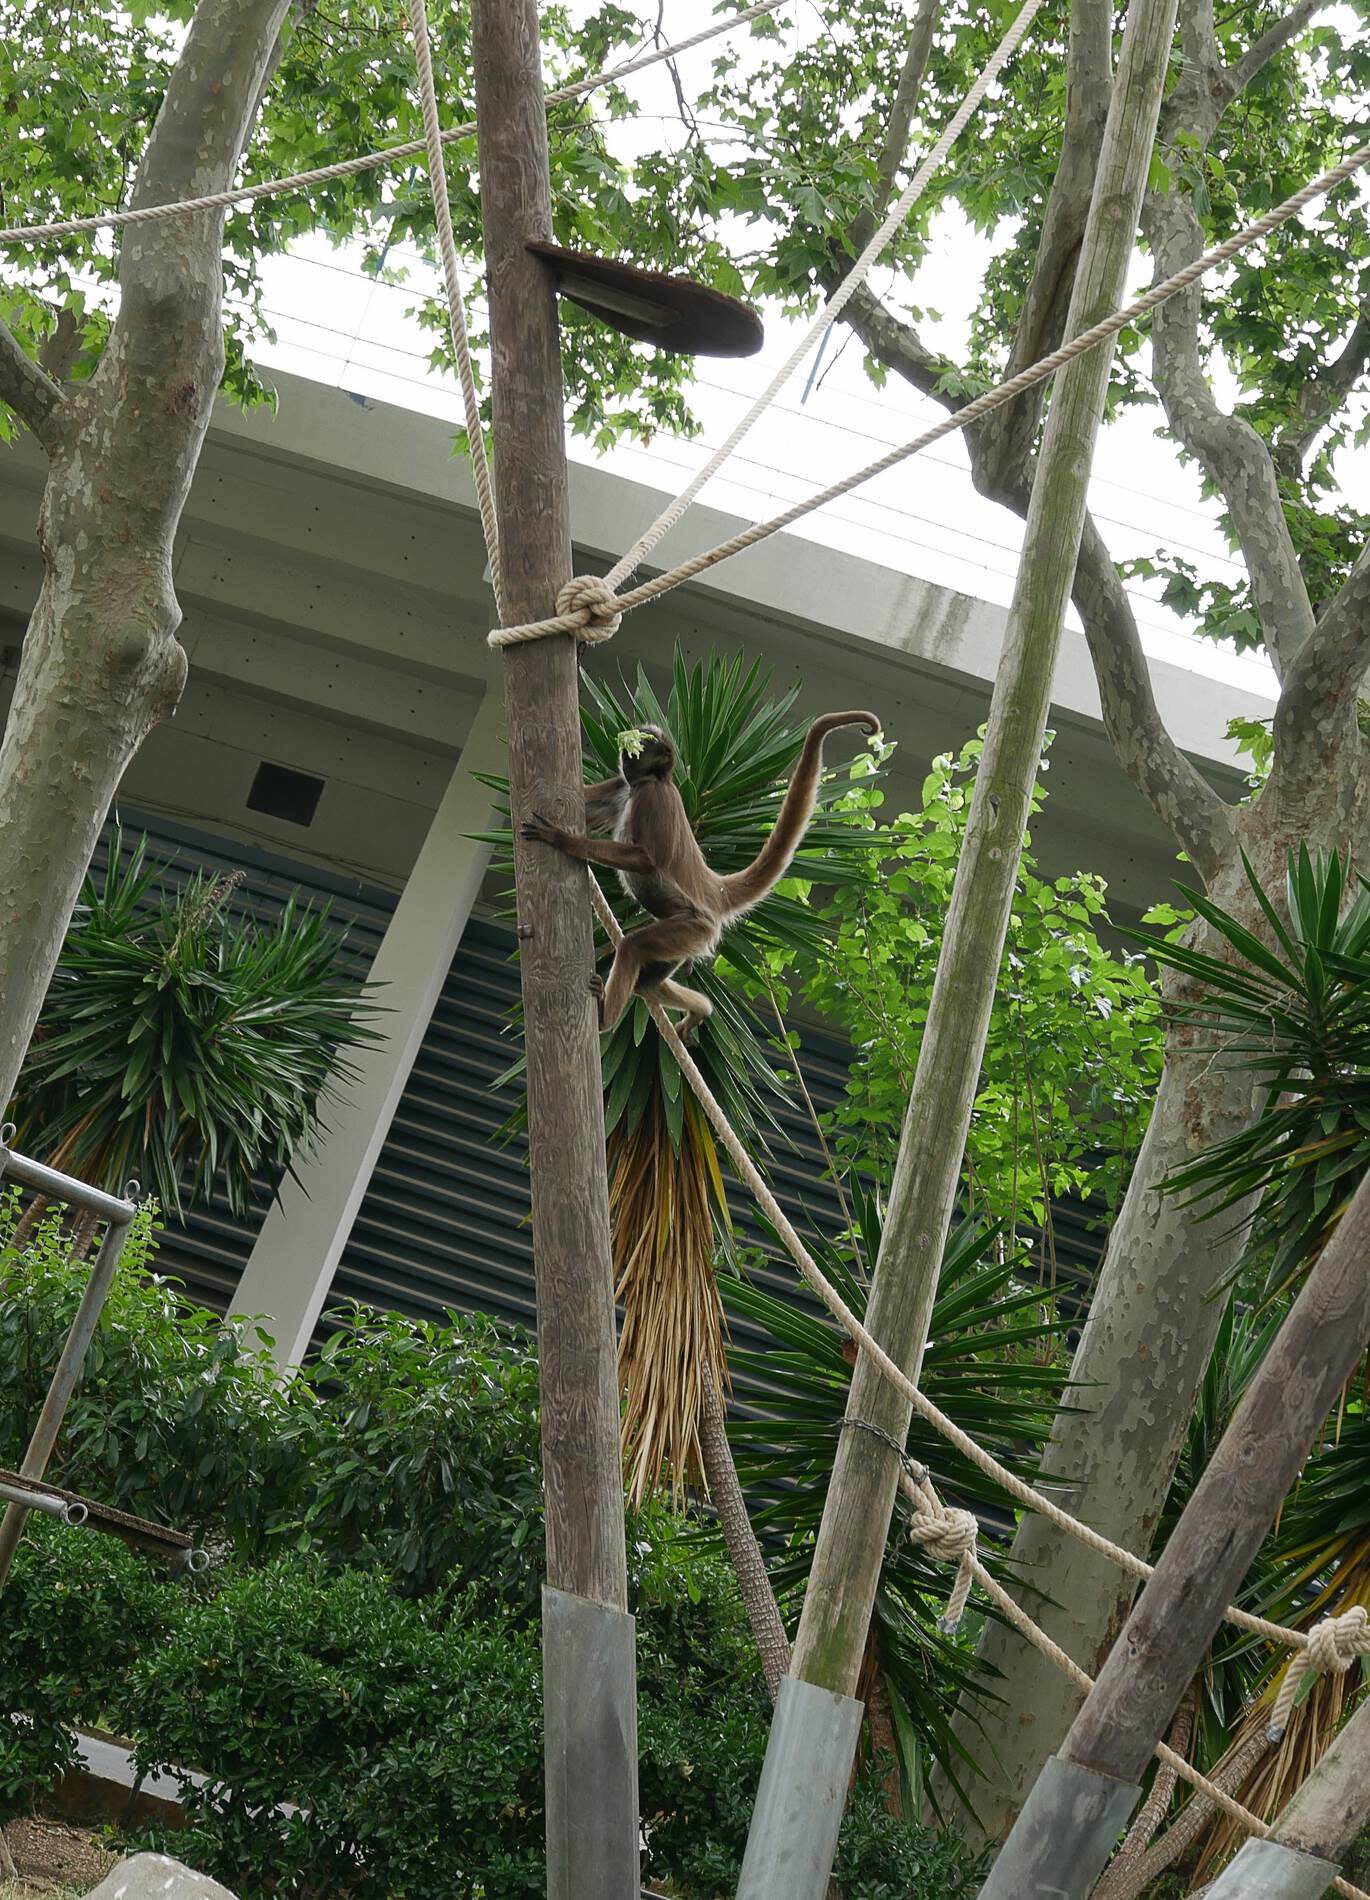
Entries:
{"x":671,"y":313}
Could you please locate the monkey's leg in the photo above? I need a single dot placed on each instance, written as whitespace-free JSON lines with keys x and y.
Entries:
{"x":695,"y":1007}
{"x":648,"y":955}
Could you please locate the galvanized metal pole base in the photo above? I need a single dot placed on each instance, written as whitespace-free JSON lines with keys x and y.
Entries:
{"x":1063,"y":1836}
{"x":798,"y":1812}
{"x":1267,"y":1870}
{"x":589,"y":1703}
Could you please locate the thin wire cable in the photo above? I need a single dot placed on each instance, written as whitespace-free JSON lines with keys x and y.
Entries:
{"x":456,"y":307}
{"x":576,"y":622}
{"x":837,"y":302}
{"x":369,"y":161}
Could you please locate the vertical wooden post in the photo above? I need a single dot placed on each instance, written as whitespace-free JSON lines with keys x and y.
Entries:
{"x":591,"y":1764}
{"x":854,"y":1529}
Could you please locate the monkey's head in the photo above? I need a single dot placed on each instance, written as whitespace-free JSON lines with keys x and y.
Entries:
{"x":655,"y":758}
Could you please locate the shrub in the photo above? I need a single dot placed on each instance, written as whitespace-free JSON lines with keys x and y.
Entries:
{"x":79,"y":1610}
{"x":407,"y":1445}
{"x":415,"y":1448}
{"x":404,"y":1735}
{"x":178,"y":1416}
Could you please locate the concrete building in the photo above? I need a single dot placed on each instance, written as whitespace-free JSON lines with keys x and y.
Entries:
{"x":341,"y":697}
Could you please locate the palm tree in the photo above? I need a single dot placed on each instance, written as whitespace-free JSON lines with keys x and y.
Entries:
{"x":736,"y":744}
{"x":1295,"y":1011}
{"x":183,"y":1044}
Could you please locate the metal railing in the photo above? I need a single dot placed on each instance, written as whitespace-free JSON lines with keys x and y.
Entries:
{"x":24,"y":1491}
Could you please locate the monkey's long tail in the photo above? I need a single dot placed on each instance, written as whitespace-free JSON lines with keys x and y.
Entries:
{"x":745,"y":888}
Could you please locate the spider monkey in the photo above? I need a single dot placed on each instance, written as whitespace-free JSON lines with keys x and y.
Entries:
{"x":660,"y":864}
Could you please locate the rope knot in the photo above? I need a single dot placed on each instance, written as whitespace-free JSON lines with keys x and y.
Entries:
{"x":948,"y":1536}
{"x":593,"y":602}
{"x":587,"y":606}
{"x":1333,"y":1645}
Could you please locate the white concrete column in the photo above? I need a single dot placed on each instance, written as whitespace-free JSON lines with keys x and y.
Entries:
{"x":291,"y":1267}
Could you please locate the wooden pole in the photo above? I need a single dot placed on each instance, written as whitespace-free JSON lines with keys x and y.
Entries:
{"x":851,"y":1543}
{"x":856,"y":1516}
{"x":591,"y":1791}
{"x":1162,"y":1645}
{"x":1232,"y":1507}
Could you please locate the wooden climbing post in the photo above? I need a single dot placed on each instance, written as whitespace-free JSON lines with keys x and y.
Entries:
{"x":1199,"y":1572}
{"x":850,"y":1550}
{"x":589,"y":1684}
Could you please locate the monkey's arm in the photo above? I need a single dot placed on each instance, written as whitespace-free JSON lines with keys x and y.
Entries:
{"x":604,"y":803}
{"x":610,"y":852}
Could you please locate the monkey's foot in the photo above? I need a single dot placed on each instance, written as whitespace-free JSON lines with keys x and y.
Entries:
{"x":597,"y":991}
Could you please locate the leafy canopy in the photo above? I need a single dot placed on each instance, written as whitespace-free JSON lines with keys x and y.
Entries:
{"x":754,"y":188}
{"x":1075,"y":1038}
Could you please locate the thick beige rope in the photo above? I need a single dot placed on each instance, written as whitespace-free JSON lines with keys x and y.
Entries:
{"x":576,"y":620}
{"x":836,"y":304}
{"x":1017,"y":1487}
{"x":951,"y":1534}
{"x":369,"y":161}
{"x":456,"y":307}
{"x":1333,"y":1645}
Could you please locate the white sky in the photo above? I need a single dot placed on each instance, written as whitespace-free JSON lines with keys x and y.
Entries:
{"x":345,"y":329}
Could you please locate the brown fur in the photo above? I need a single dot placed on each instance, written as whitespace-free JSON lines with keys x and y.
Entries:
{"x":659,"y":862}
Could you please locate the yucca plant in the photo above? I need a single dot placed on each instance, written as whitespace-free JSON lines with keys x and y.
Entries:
{"x":736,"y":744}
{"x":183,"y":1044}
{"x":1295,"y":1011}
{"x":736,"y":741}
{"x":986,"y":1368}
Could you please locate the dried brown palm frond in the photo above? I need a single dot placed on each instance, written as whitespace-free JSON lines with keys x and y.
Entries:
{"x":664,"y":1202}
{"x":1277,"y":1772}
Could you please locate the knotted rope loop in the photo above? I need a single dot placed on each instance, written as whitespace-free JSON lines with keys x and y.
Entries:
{"x":1333,"y":1645}
{"x":586,"y":606}
{"x":951,"y":1536}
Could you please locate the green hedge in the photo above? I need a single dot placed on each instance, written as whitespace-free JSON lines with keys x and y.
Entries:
{"x":408,"y":1445}
{"x":405,"y":1733}
{"x":367,"y":1650}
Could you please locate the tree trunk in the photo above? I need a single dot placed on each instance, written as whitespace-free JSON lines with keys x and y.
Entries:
{"x":101,"y":662}
{"x":1141,"y":1358}
{"x":1146,"y":1343}
{"x":758,"y":1599}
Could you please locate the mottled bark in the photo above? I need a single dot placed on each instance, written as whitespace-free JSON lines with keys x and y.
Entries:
{"x":749,"y":1566}
{"x":101,"y":661}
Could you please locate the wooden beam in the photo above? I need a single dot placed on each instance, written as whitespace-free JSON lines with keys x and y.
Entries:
{"x":591,"y":1734}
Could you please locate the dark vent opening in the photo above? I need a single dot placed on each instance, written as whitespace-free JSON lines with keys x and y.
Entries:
{"x":281,"y":793}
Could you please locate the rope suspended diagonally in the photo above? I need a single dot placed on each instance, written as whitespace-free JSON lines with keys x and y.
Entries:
{"x":928,"y":1508}
{"x":984,"y":405}
{"x":370,"y":161}
{"x":837,"y":302}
